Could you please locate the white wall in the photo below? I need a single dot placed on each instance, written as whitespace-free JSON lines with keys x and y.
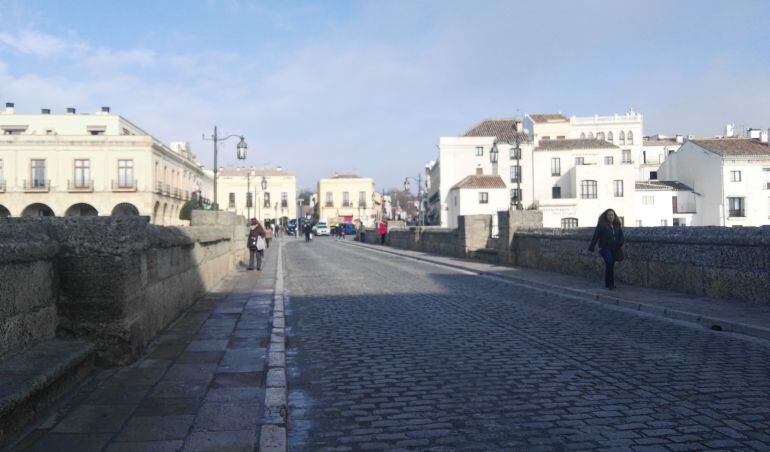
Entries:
{"x":466,"y":202}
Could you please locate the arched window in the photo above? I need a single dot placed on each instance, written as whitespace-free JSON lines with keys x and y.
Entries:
{"x":622,"y":138}
{"x":569,"y":223}
{"x":630,"y":137}
{"x":590,"y":135}
{"x":600,"y":136}
{"x":582,"y":135}
{"x":588,"y":189}
{"x":610,"y":138}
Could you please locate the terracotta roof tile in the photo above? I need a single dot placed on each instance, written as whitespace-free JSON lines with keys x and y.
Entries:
{"x":734,"y":147}
{"x":502,"y":129}
{"x":549,"y":117}
{"x":571,"y":144}
{"x":480,"y":181}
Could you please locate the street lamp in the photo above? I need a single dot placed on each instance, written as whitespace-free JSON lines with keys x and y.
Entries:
{"x":420,"y":194}
{"x":493,"y":154}
{"x":240,"y":152}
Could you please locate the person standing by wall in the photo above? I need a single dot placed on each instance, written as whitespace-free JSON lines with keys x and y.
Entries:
{"x":383,"y":231}
{"x":609,"y":235}
{"x":256,"y":243}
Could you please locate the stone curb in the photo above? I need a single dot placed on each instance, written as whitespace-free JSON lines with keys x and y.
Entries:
{"x":273,"y":436}
{"x":706,"y":322}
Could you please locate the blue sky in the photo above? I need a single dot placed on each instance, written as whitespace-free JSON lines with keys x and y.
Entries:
{"x":370,"y":86}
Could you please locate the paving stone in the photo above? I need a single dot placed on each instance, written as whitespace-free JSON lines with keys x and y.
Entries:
{"x":154,"y":428}
{"x":157,"y":406}
{"x":230,"y":441}
{"x":184,"y":389}
{"x":94,"y":419}
{"x":217,"y":416}
{"x":146,"y":446}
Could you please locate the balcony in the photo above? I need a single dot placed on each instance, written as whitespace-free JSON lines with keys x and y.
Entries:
{"x":362,"y":205}
{"x":80,"y":186}
{"x":733,"y":213}
{"x":346,"y":204}
{"x":126,"y":185}
{"x":329,"y":204}
{"x":167,"y":189}
{"x":175,"y":193}
{"x":159,"y":187}
{"x":284,"y":204}
{"x":186,"y":195}
{"x":34,"y":186}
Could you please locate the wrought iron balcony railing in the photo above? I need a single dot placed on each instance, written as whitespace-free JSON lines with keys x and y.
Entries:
{"x":126,"y":185}
{"x":80,"y":185}
{"x":37,"y":185}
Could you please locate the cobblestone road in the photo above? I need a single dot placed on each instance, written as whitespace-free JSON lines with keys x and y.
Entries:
{"x":386,"y":352}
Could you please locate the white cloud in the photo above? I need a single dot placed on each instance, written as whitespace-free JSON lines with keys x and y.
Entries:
{"x":34,"y":43}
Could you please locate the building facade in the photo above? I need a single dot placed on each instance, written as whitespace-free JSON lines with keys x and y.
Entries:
{"x":347,"y":198}
{"x":268,"y":194}
{"x":477,"y":195}
{"x":731,"y":174}
{"x":665,"y":203}
{"x":92,"y":164}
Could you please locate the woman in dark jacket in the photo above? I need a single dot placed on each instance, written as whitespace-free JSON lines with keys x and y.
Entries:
{"x":609,"y":235}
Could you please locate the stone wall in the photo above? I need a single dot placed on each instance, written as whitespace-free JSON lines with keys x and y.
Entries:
{"x":715,"y":262}
{"x":28,"y":288}
{"x":115,"y":281}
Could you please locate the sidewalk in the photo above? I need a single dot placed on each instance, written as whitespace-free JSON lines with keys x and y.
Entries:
{"x":199,"y":386}
{"x":722,"y":315}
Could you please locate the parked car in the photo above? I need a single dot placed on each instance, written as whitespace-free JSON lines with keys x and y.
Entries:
{"x":348,"y":228}
{"x":320,"y":229}
{"x":291,"y":228}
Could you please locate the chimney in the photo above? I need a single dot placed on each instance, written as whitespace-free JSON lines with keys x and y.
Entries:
{"x":9,"y":108}
{"x":479,"y":171}
{"x":679,"y":138}
{"x":105,"y":109}
{"x":71,"y":111}
{"x":729,"y":130}
{"x":45,"y":111}
{"x":763,"y":136}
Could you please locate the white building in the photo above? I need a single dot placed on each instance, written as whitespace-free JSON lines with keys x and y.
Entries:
{"x":731,"y":174}
{"x":347,"y":198}
{"x":488,"y":148}
{"x":268,"y":194}
{"x":655,"y":150}
{"x":92,"y":164}
{"x":665,"y":203}
{"x":477,"y":195}
{"x":577,"y":179}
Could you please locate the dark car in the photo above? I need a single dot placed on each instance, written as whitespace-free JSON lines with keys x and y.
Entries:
{"x":291,"y":228}
{"x":348,"y":228}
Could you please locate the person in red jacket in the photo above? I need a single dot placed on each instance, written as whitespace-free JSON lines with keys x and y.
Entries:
{"x":383,"y":231}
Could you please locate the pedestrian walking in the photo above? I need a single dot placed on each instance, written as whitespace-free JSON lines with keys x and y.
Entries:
{"x":307,"y":229}
{"x":256,"y":244}
{"x":383,"y":231}
{"x":268,"y":235}
{"x":609,"y":235}
{"x":341,"y":235}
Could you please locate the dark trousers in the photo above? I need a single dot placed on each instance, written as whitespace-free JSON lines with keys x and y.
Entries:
{"x":255,"y":254}
{"x":382,"y":239}
{"x":609,"y":267}
{"x":307,"y":236}
{"x":268,"y":242}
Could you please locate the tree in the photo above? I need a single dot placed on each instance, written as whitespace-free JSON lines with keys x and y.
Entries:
{"x":305,"y":194}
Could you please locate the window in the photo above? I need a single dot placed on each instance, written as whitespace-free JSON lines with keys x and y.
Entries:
{"x":627,"y":156}
{"x":125,"y":173}
{"x":622,"y":138}
{"x":600,"y":136}
{"x":580,"y":161}
{"x":515,"y":153}
{"x":329,"y":199}
{"x":362,"y":199}
{"x":648,"y":200}
{"x":479,"y":151}
{"x":609,"y":160}
{"x":617,"y":188}
{"x":345,"y":199}
{"x":267,"y":199}
{"x":560,"y":137}
{"x":679,"y":222}
{"x":555,"y":166}
{"x":569,"y":223}
{"x":516,"y":173}
{"x":547,"y":137}
{"x":736,"y":206}
{"x":556,"y":192}
{"x":37,"y":173}
{"x":735,"y":176}
{"x":588,"y":189}
{"x":483,"y":197}
{"x":638,"y":222}
{"x":515,"y":195}
{"x":664,"y":222}
{"x":284,"y":199}
{"x":610,"y":138}
{"x":249,"y":200}
{"x":630,"y":137}
{"x":82,"y":173}
{"x":231,"y":201}
{"x":653,"y":175}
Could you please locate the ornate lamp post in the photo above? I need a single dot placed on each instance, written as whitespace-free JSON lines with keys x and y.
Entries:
{"x":241,"y":152}
{"x":420,"y":195}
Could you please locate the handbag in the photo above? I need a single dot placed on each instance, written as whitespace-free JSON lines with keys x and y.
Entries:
{"x":260,"y":243}
{"x":618,"y":254}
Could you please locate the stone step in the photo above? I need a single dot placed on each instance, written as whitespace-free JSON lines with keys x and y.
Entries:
{"x":33,"y":379}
